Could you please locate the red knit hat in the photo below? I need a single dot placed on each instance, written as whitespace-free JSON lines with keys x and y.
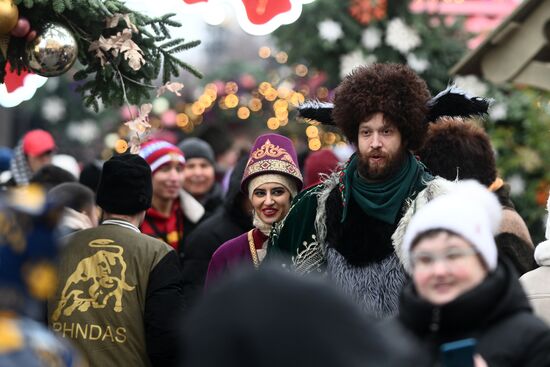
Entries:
{"x":37,"y":142}
{"x":323,"y":161}
{"x":159,"y":152}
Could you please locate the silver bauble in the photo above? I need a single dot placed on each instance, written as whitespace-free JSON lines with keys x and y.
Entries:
{"x":53,"y":51}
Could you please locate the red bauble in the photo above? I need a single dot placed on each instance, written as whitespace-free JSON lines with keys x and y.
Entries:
{"x":365,"y":11}
{"x":22,"y":28}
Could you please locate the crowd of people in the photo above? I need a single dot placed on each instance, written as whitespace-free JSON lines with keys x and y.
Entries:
{"x":409,"y":252}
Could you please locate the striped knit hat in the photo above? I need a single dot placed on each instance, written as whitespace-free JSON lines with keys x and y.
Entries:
{"x":159,"y":152}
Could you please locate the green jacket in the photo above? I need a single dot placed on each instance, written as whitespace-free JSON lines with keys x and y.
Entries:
{"x":113,"y":281}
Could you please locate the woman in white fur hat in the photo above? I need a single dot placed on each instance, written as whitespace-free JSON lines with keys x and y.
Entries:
{"x":460,"y":289}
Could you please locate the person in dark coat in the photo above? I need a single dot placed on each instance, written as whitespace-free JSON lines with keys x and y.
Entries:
{"x":274,"y":318}
{"x":457,"y":148}
{"x":199,"y":174}
{"x":461,"y":289}
{"x":233,"y":219}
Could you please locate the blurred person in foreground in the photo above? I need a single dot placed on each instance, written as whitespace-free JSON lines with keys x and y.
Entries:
{"x":288,"y":321}
{"x":119,"y":295}
{"x":233,"y":219}
{"x":28,"y":253}
{"x":271,"y":179}
{"x":199,"y":174}
{"x":33,"y":151}
{"x":460,"y":287}
{"x":79,"y":209}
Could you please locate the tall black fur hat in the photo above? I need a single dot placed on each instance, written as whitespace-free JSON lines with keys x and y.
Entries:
{"x":125,"y":185}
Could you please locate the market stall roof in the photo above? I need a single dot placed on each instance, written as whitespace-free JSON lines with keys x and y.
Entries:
{"x":517,"y":51}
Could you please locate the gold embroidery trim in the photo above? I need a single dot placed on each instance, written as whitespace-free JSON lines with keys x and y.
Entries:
{"x":268,"y":149}
{"x":252,"y":248}
{"x":273,"y":165}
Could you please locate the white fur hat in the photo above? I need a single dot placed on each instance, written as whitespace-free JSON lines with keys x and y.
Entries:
{"x":469,"y":210}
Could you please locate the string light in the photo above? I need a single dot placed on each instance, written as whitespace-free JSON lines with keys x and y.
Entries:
{"x":231,"y":101}
{"x":314,"y":144}
{"x":231,"y":88}
{"x":312,"y":132}
{"x":121,"y":146}
{"x":273,"y":123}
{"x":243,"y":113}
{"x":301,"y":70}
{"x":197,"y":109}
{"x":182,"y":120}
{"x":264,"y":52}
{"x":281,"y":57}
{"x":255,"y":104}
{"x":205,"y":101}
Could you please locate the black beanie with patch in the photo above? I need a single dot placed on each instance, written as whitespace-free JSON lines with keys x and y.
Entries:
{"x":125,"y":185}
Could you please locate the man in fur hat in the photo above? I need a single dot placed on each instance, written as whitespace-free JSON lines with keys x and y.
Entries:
{"x":344,"y":225}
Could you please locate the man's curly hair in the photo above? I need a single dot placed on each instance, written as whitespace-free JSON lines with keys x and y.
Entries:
{"x":393,"y":89}
{"x":457,"y":148}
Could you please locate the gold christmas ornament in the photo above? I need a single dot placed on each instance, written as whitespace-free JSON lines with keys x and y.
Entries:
{"x":9,"y":14}
{"x":53,"y":51}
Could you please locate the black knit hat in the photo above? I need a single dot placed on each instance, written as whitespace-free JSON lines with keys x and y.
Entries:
{"x":125,"y":185}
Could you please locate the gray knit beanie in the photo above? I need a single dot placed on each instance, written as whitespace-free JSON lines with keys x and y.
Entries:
{"x":197,"y":148}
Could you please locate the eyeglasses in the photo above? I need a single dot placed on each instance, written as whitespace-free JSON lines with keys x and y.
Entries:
{"x":425,"y":260}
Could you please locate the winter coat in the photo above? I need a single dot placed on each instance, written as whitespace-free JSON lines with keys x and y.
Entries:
{"x":228,"y":222}
{"x":273,"y":318}
{"x":536,"y":285}
{"x":119,"y":297}
{"x":234,"y":254}
{"x":213,"y":199}
{"x":359,"y":255}
{"x":496,"y":313}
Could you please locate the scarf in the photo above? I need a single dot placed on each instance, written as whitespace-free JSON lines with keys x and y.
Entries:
{"x":19,"y":166}
{"x":382,"y":200}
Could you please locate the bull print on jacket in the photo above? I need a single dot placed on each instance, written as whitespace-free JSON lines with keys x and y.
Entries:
{"x":96,"y":280}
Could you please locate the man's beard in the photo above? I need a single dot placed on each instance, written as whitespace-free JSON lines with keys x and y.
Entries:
{"x":380,"y":172}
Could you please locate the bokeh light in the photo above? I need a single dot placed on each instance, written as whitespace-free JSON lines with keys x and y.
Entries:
{"x":273,"y":123}
{"x":243,"y":113}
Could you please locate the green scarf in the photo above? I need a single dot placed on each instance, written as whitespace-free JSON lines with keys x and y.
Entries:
{"x":383,"y":200}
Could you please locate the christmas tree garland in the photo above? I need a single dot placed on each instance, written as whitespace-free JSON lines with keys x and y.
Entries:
{"x":122,"y":51}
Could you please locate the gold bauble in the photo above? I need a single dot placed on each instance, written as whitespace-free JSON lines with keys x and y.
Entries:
{"x":9,"y":14}
{"x":53,"y":51}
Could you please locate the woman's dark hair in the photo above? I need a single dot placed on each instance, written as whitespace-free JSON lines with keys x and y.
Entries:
{"x":459,"y":149}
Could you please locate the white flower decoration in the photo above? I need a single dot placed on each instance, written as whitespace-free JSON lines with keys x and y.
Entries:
{"x":472,"y":84}
{"x":53,"y":109}
{"x":329,"y":30}
{"x":418,"y":64}
{"x":350,"y":61}
{"x":498,"y":111}
{"x":517,"y":184}
{"x":371,"y":38}
{"x":401,"y":37}
{"x":84,"y":132}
